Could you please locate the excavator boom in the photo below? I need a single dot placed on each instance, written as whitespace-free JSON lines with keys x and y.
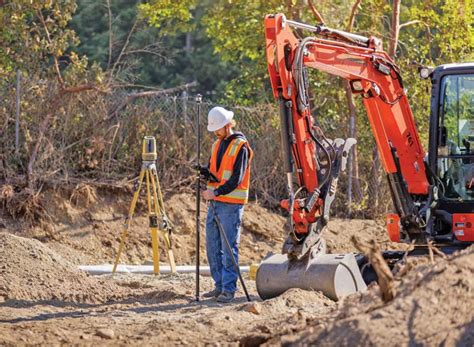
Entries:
{"x":372,"y":74}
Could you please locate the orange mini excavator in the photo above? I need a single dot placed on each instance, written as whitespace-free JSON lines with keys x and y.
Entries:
{"x":433,"y":193}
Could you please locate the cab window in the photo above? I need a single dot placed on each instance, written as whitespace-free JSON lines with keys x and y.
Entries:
{"x":456,"y":137}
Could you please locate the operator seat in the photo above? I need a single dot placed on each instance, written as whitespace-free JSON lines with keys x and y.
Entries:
{"x":453,"y":172}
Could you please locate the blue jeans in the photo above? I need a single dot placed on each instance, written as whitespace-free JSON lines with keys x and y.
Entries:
{"x":220,"y":262}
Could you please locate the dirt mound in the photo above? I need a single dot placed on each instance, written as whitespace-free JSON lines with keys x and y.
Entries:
{"x":339,"y":232}
{"x":89,"y":233}
{"x":299,"y":300}
{"x":434,"y":306}
{"x":262,"y":230}
{"x":31,"y":271}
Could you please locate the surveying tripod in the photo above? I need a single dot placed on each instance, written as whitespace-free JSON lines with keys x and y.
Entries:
{"x":156,"y":208}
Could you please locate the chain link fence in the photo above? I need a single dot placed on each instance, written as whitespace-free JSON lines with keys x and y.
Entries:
{"x":96,"y":136}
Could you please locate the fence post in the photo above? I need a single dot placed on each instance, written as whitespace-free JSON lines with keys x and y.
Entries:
{"x":175,"y":108}
{"x":17,"y":120}
{"x":185,"y":106}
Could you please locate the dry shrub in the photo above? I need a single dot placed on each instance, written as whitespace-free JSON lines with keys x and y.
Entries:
{"x":6,"y":194}
{"x":25,"y":203}
{"x":91,"y":138}
{"x":84,"y":193}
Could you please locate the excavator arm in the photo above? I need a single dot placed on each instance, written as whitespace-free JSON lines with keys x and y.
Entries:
{"x":313,"y":158}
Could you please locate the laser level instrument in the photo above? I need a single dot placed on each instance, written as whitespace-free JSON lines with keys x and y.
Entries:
{"x":158,"y":220}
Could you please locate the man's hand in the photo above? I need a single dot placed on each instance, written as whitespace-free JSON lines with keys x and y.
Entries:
{"x":206,"y":174}
{"x":208,"y":194}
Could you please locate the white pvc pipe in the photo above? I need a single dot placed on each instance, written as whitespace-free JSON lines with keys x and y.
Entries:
{"x":147,"y":269}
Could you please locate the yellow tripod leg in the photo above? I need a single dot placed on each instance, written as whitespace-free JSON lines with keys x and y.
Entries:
{"x":165,"y":236}
{"x":159,"y":209}
{"x":153,"y":224}
{"x":128,"y":220}
{"x":157,"y":190}
{"x":170,"y":253}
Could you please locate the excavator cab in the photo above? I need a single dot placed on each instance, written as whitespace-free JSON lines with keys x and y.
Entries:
{"x":451,"y":151}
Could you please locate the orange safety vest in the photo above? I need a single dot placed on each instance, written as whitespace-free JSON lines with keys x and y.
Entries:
{"x":240,"y":194}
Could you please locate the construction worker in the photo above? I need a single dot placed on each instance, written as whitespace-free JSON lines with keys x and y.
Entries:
{"x":230,"y":163}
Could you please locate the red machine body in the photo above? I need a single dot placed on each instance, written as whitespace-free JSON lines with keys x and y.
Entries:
{"x":376,"y":78}
{"x":463,"y":226}
{"x":393,"y":227}
{"x":384,"y":98}
{"x":371,"y":74}
{"x":433,"y":200}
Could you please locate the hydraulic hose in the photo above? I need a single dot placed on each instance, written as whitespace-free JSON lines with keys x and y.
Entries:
{"x":285,"y":119}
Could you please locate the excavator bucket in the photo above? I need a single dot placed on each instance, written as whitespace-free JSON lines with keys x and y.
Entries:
{"x":335,"y":275}
{"x":304,"y":263}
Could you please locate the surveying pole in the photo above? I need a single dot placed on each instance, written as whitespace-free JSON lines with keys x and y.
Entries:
{"x":198,"y":191}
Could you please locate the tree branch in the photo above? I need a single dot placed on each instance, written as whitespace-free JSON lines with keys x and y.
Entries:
{"x":133,"y":96}
{"x":48,"y":38}
{"x":315,"y":12}
{"x":354,"y":10}
{"x":160,"y":92}
{"x":109,"y":10}
{"x":394,"y":29}
{"x":411,"y":23}
{"x":152,"y":48}
{"x":79,"y":88}
{"x":127,"y":41}
{"x":131,"y":85}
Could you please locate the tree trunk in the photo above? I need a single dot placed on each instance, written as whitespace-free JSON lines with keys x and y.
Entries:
{"x":394,"y":29}
{"x":354,"y":178}
{"x":188,"y":45}
{"x":353,"y":163}
{"x":393,"y":43}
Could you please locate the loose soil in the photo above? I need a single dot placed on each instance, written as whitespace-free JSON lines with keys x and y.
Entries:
{"x":45,"y":299}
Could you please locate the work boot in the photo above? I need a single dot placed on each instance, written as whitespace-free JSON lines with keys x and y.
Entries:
{"x":212,"y":294}
{"x":225,"y":297}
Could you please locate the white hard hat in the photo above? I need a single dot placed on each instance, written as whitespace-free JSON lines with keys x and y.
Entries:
{"x":218,"y":117}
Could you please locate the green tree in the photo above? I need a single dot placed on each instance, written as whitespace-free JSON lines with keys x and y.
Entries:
{"x":167,"y":47}
{"x":35,"y":38}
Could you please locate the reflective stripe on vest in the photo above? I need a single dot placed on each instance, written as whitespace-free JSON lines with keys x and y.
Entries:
{"x":226,"y":174}
{"x":234,"y":146}
{"x":241,"y":193}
